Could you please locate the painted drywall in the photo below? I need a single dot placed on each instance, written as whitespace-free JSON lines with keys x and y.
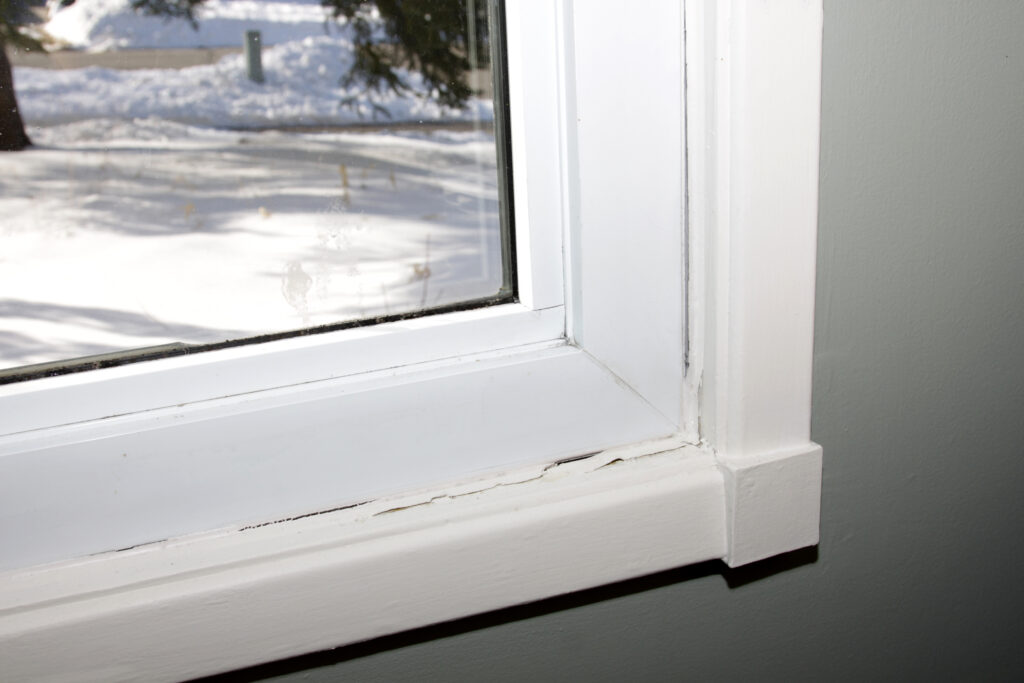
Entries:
{"x":918,"y":401}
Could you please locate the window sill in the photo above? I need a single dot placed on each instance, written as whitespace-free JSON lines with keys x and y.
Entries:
{"x":166,"y":473}
{"x":219,"y":601}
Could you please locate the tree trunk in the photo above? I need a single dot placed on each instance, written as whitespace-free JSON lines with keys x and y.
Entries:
{"x":12,"y":130}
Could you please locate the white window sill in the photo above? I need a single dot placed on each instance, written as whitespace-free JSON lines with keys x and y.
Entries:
{"x":219,"y":601}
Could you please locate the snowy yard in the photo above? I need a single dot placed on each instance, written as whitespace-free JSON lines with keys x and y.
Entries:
{"x":180,"y":205}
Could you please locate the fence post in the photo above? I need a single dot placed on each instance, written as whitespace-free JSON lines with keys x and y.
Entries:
{"x":253,"y":58}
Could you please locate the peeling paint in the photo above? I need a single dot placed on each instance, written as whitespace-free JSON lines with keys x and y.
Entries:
{"x":130,"y":547}
{"x":551,"y":472}
{"x":308,"y":514}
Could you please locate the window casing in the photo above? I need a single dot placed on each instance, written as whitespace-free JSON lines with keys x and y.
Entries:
{"x":650,"y":271}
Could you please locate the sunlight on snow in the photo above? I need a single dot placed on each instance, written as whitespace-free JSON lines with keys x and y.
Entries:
{"x":174,"y":205}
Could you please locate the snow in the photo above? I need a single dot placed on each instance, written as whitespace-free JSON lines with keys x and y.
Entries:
{"x":159,"y":206}
{"x":301,"y":88}
{"x":303,"y":70}
{"x":99,"y":25}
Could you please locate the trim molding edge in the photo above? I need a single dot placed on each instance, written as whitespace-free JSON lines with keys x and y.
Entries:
{"x":773,"y":502}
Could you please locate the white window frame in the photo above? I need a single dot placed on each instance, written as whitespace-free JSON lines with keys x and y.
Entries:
{"x":695,"y":426}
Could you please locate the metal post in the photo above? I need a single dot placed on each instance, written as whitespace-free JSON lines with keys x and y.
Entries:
{"x":253,"y":58}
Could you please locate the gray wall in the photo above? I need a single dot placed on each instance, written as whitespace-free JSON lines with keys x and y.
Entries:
{"x":918,"y":401}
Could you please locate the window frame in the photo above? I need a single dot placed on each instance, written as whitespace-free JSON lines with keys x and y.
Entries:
{"x":696,"y":430}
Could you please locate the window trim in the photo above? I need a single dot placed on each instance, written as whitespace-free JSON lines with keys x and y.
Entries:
{"x":748,"y":489}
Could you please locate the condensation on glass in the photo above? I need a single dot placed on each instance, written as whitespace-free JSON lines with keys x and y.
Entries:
{"x":265,"y":169}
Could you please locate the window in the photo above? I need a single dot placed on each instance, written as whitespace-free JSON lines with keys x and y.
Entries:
{"x":592,"y":362}
{"x":194,"y":206}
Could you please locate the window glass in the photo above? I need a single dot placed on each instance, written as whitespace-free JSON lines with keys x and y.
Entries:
{"x":195,"y":173}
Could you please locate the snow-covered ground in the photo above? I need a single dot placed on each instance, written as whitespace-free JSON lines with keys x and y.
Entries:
{"x":143,"y":215}
{"x":302,"y":88}
{"x":99,"y":25}
{"x":310,"y":55}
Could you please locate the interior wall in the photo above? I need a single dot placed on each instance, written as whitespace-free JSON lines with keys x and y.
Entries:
{"x":918,"y":402}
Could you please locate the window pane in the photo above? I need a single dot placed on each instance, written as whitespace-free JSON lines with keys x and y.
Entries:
{"x":206,"y":172}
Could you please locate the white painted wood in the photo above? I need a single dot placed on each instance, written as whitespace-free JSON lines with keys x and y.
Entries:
{"x":537,"y":115}
{"x":164,"y":473}
{"x":754,"y":138}
{"x":136,"y":387}
{"x":753,"y":103}
{"x":697,"y":101}
{"x":569,"y":151}
{"x":772,"y":503}
{"x":629,"y":236}
{"x":217,"y":602}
